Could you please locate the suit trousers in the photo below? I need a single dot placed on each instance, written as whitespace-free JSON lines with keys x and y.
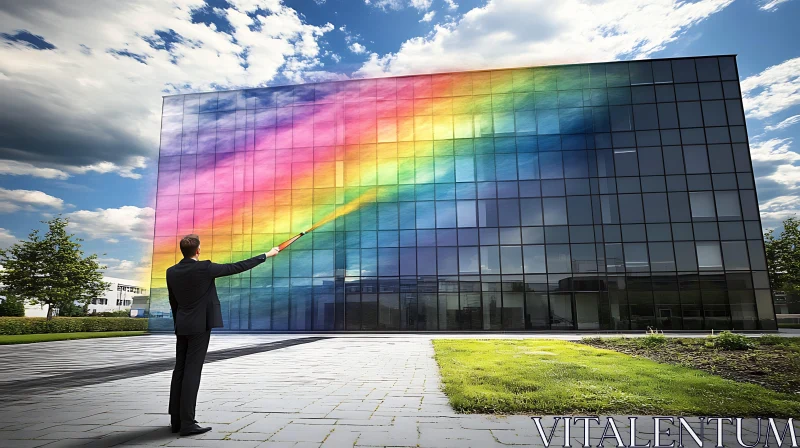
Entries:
{"x":190,"y":354}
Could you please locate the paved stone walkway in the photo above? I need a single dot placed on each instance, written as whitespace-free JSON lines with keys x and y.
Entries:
{"x":338,"y":392}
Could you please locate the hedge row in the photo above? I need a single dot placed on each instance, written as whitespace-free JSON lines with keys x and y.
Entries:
{"x":39,"y":325}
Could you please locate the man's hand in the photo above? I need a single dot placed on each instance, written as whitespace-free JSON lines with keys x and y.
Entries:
{"x":272,"y":252}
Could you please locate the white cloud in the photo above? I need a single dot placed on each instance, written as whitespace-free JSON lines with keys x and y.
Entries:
{"x":773,"y":150}
{"x":6,"y":238}
{"x":771,"y":5}
{"x":774,"y":160}
{"x":451,"y":4}
{"x":127,"y":269}
{"x":512,"y":33}
{"x":787,"y":175}
{"x":336,"y":58}
{"x":62,"y":172}
{"x":776,"y":210}
{"x":85,"y":105}
{"x":111,"y":224}
{"x":27,"y":200}
{"x":784,"y":124}
{"x":773,"y":90}
{"x":428,"y":16}
{"x":386,"y":4}
{"x":421,"y":5}
{"x":126,"y":170}
{"x":16,"y":168}
{"x":357,"y":48}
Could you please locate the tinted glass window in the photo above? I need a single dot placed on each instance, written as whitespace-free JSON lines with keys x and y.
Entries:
{"x":687,"y":92}
{"x":689,"y":114}
{"x":685,"y":258}
{"x":749,"y":205}
{"x":696,"y":159}
{"x":490,"y":260}
{"x":702,"y":205}
{"x":665,"y":93}
{"x":558,"y":258}
{"x":556,"y":234}
{"x":643,"y":94}
{"x":711,"y":91}
{"x":650,"y":161}
{"x":630,"y":208}
{"x":667,"y":115}
{"x":735,"y":113}
{"x":741,"y":157}
{"x":709,"y":257}
{"x":641,"y":72}
{"x":734,"y":255}
{"x":534,"y":259}
{"x":661,"y":257}
{"x":636,"y":257}
{"x":707,"y":69}
{"x":555,"y":211}
{"x":727,"y":67}
{"x":714,"y":113}
{"x":662,"y":71}
{"x":731,"y":230}
{"x":580,"y":209}
{"x":673,"y":160}
{"x":468,"y":260}
{"x":626,"y":162}
{"x":656,"y":208}
{"x":721,"y":158}
{"x":727,"y":205}
{"x":731,"y":89}
{"x":511,"y":259}
{"x":645,"y":116}
{"x":683,"y":70}
{"x":620,"y":118}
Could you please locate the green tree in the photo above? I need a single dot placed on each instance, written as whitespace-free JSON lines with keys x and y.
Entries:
{"x":73,"y":309}
{"x":51,"y":269}
{"x":783,"y":256}
{"x":12,"y":306}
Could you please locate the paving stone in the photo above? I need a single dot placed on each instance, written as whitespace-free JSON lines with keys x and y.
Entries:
{"x":302,"y":433}
{"x":23,"y":443}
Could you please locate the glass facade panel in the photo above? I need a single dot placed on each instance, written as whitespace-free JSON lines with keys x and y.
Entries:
{"x":602,"y":196}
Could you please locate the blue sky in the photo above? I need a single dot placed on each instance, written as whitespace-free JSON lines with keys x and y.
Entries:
{"x":81,"y":83}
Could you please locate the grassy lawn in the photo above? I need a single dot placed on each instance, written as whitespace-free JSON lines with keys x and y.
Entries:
{"x":30,"y":338}
{"x":548,"y":377}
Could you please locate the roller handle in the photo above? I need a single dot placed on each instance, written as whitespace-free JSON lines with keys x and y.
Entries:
{"x":291,"y":240}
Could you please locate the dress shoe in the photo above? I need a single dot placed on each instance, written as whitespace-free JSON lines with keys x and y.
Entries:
{"x":176,"y":426}
{"x":194,"y":429}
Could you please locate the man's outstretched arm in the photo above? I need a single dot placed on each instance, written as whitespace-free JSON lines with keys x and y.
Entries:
{"x":223,"y":270}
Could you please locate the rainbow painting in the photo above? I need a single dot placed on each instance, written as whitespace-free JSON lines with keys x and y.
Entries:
{"x":510,"y":199}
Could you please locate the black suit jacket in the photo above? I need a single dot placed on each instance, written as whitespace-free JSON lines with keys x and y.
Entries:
{"x":193,"y":294}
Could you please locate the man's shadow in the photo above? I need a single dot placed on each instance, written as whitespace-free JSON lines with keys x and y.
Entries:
{"x":136,"y":436}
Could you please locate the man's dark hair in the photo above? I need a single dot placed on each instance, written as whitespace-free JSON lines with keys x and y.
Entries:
{"x":189,"y":245}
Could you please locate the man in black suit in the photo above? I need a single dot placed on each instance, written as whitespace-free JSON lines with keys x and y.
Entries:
{"x":195,"y":311}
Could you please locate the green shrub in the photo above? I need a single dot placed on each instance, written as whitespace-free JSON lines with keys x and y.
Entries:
{"x":40,"y":325}
{"x":731,"y":341}
{"x":653,"y":340}
{"x":120,"y":313}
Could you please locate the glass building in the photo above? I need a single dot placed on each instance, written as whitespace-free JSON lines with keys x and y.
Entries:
{"x":616,"y":196}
